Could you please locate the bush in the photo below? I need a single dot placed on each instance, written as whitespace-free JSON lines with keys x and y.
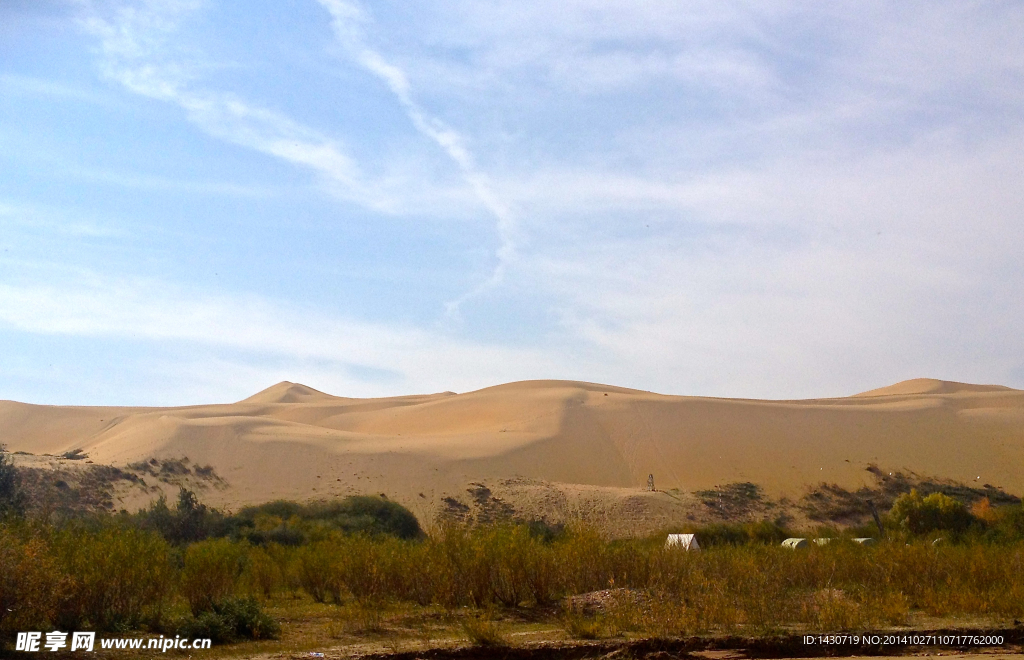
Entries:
{"x":579,"y":625}
{"x":29,"y":581}
{"x":937,"y":512}
{"x":116,"y":578}
{"x":12,"y":497}
{"x":231,"y":619}
{"x":320,"y":571}
{"x":296,"y":523}
{"x":188,"y":522}
{"x":210,"y":573}
{"x":208,"y":625}
{"x":484,"y":631}
{"x":262,"y":573}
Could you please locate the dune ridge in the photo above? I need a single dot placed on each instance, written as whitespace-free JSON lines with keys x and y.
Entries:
{"x":292,"y":441}
{"x":932,"y":386}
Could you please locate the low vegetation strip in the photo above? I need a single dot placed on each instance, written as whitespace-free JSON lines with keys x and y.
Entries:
{"x":196,"y":572}
{"x":119,"y":578}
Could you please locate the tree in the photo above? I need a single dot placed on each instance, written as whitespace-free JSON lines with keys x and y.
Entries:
{"x":192,"y":518}
{"x":12,"y":497}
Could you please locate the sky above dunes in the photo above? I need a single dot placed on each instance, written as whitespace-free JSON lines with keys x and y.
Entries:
{"x":754,"y":199}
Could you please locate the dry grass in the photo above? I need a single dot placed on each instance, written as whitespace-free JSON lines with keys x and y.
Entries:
{"x":483,"y":630}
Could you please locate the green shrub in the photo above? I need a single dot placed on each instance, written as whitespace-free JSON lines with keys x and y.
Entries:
{"x":231,"y":619}
{"x":208,"y":625}
{"x":936,"y":512}
{"x":247,"y":618}
{"x":187,"y":522}
{"x":210,"y":572}
{"x":320,"y":571}
{"x":371,"y":515}
{"x":298,"y":523}
{"x":262,"y":574}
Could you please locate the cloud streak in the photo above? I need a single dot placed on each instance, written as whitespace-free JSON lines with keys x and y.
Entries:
{"x":346,"y":20}
{"x":134,"y":42}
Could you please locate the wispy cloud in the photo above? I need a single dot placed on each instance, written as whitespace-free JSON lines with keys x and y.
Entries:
{"x":135,"y":49}
{"x":347,"y":21}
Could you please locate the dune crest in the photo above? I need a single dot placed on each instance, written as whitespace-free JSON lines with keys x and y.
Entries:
{"x":932,"y":386}
{"x":288,"y":392}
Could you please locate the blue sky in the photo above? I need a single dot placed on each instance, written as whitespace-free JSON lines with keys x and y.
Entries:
{"x":756,"y":199}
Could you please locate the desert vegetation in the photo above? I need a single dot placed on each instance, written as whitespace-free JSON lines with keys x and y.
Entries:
{"x":364,"y":567}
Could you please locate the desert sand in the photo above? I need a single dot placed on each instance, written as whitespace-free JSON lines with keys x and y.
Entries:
{"x":562,"y":443}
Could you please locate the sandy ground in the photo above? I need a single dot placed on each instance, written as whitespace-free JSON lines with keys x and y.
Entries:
{"x":555,"y":445}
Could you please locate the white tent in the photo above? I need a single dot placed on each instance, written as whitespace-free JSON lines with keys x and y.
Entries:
{"x":794,"y":543}
{"x":683,"y":541}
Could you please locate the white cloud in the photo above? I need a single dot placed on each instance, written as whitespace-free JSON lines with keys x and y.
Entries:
{"x":301,"y":339}
{"x":137,"y":46}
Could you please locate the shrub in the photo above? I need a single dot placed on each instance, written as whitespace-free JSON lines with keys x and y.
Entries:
{"x":937,"y":512}
{"x":578,"y":624}
{"x":320,"y":571}
{"x":210,"y":573}
{"x":30,"y":581}
{"x":262,"y":573}
{"x":231,"y":619}
{"x":247,"y":618}
{"x":12,"y":497}
{"x":117,"y":577}
{"x":189,"y":521}
{"x":484,"y":631}
{"x":367,"y":566}
{"x":298,"y":523}
{"x":208,"y":625}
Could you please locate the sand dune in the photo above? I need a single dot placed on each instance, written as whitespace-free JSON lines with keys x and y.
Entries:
{"x":296,"y":442}
{"x":932,"y":386}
